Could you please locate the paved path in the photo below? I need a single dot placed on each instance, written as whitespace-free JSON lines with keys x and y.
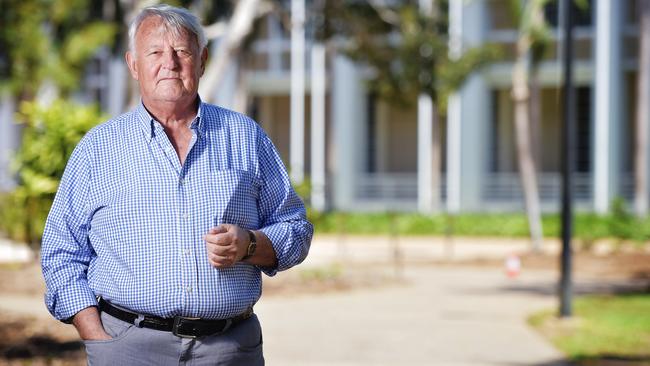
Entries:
{"x":439,"y":316}
{"x":435,"y":315}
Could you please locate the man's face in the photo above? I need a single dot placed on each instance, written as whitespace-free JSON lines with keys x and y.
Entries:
{"x":167,"y":67}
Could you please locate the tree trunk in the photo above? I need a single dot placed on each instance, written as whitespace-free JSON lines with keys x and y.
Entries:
{"x":536,"y":119}
{"x":527,"y":171}
{"x":240,"y":25}
{"x":642,"y":114}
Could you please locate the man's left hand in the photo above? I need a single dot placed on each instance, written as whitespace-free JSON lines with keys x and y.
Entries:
{"x":226,"y":245}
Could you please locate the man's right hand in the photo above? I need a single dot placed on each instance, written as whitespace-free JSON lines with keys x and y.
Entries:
{"x":89,"y":325}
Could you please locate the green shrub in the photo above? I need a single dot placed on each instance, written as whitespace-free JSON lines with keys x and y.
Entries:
{"x":50,"y":134}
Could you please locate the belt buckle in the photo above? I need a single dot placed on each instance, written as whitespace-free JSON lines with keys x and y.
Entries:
{"x":177,"y":324}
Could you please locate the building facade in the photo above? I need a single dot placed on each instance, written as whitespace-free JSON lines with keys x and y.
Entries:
{"x":361,"y":153}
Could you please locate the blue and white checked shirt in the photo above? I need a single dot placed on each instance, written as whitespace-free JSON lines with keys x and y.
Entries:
{"x":127,"y":221}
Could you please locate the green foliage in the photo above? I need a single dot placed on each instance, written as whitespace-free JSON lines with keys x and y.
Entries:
{"x":48,"y":40}
{"x":407,"y":51}
{"x":535,"y":31}
{"x":604,"y":326}
{"x":49,"y":137}
{"x":588,"y":227}
{"x":303,"y":189}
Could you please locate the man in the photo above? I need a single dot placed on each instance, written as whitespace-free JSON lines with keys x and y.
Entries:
{"x":166,"y":215}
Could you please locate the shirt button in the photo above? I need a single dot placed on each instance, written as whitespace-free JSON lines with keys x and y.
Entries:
{"x":188,"y":289}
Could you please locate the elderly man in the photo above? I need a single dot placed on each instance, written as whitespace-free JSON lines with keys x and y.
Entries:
{"x":166,"y":216}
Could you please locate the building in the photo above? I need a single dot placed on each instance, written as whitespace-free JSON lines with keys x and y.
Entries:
{"x":362,"y":153}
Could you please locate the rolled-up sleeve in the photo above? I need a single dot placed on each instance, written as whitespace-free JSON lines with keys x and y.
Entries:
{"x":282,"y":212}
{"x":65,"y":251}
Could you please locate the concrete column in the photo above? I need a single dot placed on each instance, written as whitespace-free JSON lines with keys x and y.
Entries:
{"x":118,"y":77}
{"x":318,"y":132}
{"x":428,"y":195}
{"x":9,"y":141}
{"x":425,"y":154}
{"x":607,"y":105}
{"x":468,"y":114}
{"x":297,"y":144}
{"x":454,"y":112}
{"x":349,"y":116}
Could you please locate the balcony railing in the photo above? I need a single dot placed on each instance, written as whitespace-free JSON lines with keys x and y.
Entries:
{"x":499,"y":191}
{"x":507,"y":187}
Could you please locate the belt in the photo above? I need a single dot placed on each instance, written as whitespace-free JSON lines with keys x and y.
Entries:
{"x":181,"y":326}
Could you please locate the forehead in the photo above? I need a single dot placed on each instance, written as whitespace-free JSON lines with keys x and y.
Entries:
{"x":153,"y":31}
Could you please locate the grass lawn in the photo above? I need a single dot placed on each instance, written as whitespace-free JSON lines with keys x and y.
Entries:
{"x":603,"y":327}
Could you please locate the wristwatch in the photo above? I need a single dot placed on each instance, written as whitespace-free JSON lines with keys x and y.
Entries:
{"x":251,"y":246}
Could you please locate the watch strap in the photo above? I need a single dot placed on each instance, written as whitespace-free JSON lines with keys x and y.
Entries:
{"x":252,"y":245}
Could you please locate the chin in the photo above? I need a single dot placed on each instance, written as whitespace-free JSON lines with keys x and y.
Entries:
{"x":170,"y":97}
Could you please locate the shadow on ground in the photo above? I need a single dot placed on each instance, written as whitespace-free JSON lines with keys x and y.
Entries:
{"x":604,"y":360}
{"x":595,"y":287}
{"x":41,"y":346}
{"x":614,"y":360}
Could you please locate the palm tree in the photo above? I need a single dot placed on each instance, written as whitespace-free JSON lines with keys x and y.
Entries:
{"x":642,"y":113}
{"x":532,"y":32}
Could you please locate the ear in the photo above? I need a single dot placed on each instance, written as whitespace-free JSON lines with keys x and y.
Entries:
{"x":204,"y":59}
{"x":130,"y":62}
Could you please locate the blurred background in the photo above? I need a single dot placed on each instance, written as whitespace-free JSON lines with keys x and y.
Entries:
{"x":426,"y":140}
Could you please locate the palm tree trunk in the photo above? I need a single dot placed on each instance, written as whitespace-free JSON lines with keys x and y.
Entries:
{"x":527,"y":171}
{"x":535,"y":119}
{"x":642,"y":114}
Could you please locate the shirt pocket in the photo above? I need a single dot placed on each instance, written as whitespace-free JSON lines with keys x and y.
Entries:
{"x":237,"y":196}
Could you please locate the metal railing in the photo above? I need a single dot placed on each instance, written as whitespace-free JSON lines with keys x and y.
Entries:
{"x":507,"y":187}
{"x":499,"y":191}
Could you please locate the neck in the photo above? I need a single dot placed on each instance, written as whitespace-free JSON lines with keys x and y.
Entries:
{"x":172,"y":113}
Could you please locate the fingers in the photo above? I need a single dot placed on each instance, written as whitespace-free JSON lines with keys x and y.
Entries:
{"x":224,"y":245}
{"x":221,"y":256}
{"x":220,"y":235}
{"x":219,"y":229}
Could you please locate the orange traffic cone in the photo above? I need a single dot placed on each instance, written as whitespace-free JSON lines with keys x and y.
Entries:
{"x":513,"y":265}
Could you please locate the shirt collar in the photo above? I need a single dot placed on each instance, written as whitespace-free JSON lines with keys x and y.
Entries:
{"x":150,"y":126}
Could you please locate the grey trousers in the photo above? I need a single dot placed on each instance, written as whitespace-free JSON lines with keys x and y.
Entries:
{"x":133,"y":346}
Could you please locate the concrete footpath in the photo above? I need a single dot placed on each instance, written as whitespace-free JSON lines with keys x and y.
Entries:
{"x":436,"y":315}
{"x":433,"y":315}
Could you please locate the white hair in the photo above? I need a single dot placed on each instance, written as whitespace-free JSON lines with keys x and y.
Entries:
{"x":175,"y":20}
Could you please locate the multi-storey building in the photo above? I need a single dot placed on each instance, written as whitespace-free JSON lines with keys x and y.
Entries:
{"x":364,"y":155}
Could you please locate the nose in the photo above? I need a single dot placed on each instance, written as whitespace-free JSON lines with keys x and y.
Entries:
{"x":170,"y":60}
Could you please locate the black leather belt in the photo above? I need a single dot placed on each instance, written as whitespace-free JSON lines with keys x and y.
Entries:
{"x":180,"y":326}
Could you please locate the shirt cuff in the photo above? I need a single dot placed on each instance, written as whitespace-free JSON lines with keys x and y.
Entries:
{"x":290,"y":249}
{"x":67,"y":302}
